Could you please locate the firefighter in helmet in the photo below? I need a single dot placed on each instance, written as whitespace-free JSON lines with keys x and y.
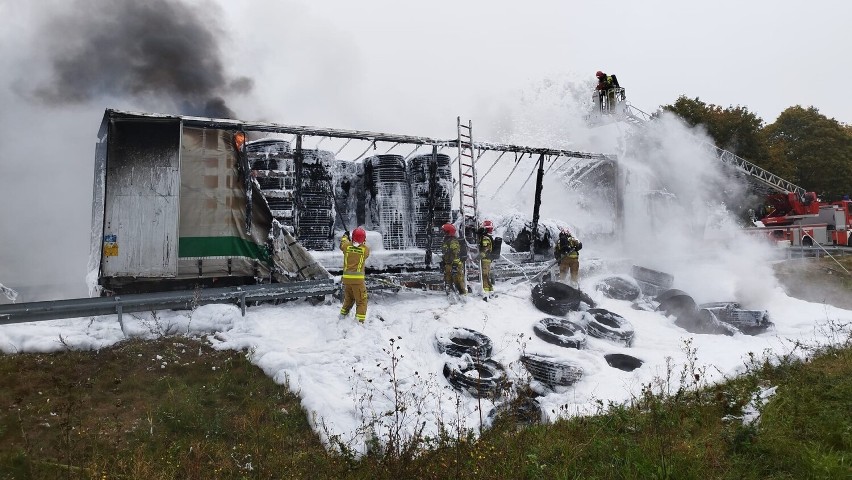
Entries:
{"x":606,"y":90}
{"x":355,"y":253}
{"x":486,"y":245}
{"x":567,"y":253}
{"x":452,"y":262}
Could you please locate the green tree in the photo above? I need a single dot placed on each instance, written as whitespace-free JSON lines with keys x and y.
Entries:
{"x":733,"y":128}
{"x":818,"y":148}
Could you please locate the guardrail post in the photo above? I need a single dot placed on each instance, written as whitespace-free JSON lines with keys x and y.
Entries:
{"x":242,"y":301}
{"x":118,"y":311}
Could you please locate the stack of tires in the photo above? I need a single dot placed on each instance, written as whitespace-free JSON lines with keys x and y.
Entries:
{"x":316,"y":197}
{"x":346,"y":184}
{"x":272,"y":164}
{"x":389,"y":202}
{"x":431,"y":188}
{"x":471,"y":369}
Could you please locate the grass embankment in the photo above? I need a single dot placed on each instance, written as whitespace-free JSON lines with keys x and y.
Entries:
{"x":175,"y":408}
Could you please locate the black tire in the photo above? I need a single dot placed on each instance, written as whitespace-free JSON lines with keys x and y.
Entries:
{"x":675,"y":302}
{"x":558,"y":299}
{"x":457,"y":341}
{"x":611,"y":326}
{"x":550,"y":371}
{"x":749,"y":322}
{"x":623,"y":362}
{"x":479,"y":378}
{"x":523,"y":411}
{"x":561,"y":331}
{"x":654,"y":277}
{"x":703,"y":321}
{"x":619,"y":288}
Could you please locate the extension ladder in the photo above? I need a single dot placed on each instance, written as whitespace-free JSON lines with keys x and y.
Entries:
{"x":468,"y":198}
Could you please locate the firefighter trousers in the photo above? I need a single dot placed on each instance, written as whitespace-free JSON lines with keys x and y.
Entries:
{"x":454,"y":276}
{"x":572,"y":265}
{"x":355,"y":294}
{"x":487,"y":284}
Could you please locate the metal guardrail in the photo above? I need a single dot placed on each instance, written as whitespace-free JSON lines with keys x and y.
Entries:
{"x":142,"y":302}
{"x":816,"y":251}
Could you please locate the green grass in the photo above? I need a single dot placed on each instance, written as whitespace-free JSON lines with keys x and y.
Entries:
{"x":125,"y":413}
{"x":119,"y":413}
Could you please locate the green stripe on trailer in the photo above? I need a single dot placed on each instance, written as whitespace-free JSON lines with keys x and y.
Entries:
{"x":221,"y":247}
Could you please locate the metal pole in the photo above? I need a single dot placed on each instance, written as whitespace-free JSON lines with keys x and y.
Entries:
{"x":537,"y":204}
{"x":433,"y":186}
{"x":298,"y":158}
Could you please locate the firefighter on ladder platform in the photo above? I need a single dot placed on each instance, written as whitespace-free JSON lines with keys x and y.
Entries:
{"x":486,"y":245}
{"x":452,"y":261}
{"x":607,"y":88}
{"x":355,"y":253}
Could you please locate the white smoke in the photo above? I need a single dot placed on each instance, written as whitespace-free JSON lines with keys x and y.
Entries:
{"x":675,"y":194}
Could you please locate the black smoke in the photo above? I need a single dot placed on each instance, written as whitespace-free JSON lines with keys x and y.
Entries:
{"x":158,"y":51}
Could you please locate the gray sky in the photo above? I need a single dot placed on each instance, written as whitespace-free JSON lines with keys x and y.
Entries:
{"x":400,"y":67}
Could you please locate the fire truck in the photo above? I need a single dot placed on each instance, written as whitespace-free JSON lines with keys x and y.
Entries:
{"x":803,"y":220}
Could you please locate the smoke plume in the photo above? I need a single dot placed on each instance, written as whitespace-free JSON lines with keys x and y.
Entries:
{"x":156,"y":51}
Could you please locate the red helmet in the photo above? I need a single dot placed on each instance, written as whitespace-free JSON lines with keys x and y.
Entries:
{"x":600,"y":74}
{"x":488,"y":225}
{"x":449,"y":229}
{"x":359,"y":235}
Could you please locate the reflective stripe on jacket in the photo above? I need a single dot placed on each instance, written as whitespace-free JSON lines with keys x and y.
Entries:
{"x":486,"y":244}
{"x":353,"y":259}
{"x":450,"y":250}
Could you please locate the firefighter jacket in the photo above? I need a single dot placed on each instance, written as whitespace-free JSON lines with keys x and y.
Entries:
{"x":353,"y":260}
{"x":606,"y":82}
{"x":450,"y":250}
{"x":486,"y":244}
{"x":567,"y":247}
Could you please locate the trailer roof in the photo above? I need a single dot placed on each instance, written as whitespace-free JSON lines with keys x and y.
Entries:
{"x":111,"y":114}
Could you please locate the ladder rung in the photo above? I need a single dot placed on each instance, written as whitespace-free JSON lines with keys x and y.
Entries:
{"x":468,"y":195}
{"x":467,"y":185}
{"x":467,"y":175}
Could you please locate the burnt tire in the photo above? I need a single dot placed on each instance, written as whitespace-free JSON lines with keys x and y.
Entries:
{"x":561,"y":331}
{"x":550,"y":371}
{"x":619,"y":288}
{"x":704,"y":321}
{"x":479,"y":378}
{"x":457,"y":341}
{"x":610,"y":326}
{"x":654,"y":277}
{"x":623,"y":362}
{"x":558,"y":299}
{"x":676,"y":302}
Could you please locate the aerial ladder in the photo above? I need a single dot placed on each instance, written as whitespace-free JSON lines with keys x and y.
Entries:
{"x":614,"y":107}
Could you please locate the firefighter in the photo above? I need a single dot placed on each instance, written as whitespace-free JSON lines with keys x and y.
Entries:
{"x":486,"y":244}
{"x":452,"y":262}
{"x":606,"y":90}
{"x":355,"y":253}
{"x":567,"y":253}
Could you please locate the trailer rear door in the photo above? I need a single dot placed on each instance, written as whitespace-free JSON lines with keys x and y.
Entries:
{"x":141,"y":198}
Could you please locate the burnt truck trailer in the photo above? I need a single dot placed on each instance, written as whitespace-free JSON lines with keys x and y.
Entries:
{"x":175,"y":207}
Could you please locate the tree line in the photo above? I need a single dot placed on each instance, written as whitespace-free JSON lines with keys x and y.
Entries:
{"x":802,"y":146}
